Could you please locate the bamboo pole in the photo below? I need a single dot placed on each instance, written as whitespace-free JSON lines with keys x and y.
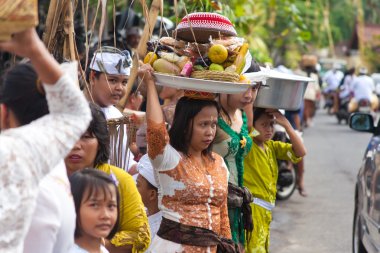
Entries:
{"x":61,"y":15}
{"x":360,"y":28}
{"x":51,"y":22}
{"x":69,"y":44}
{"x":326,"y":21}
{"x":151,"y":18}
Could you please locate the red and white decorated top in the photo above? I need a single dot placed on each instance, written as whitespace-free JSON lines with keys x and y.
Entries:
{"x":207,"y":20}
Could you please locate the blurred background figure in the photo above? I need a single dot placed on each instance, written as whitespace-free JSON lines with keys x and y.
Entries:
{"x":363,"y":88}
{"x":332,"y":80}
{"x":344,"y":92}
{"x":133,"y":36}
{"x":312,"y":93}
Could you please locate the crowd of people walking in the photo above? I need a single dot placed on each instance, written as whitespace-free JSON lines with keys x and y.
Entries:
{"x":201,"y":177}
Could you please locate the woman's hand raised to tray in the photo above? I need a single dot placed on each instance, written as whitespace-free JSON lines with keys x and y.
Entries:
{"x":153,"y":109}
{"x":146,"y":73}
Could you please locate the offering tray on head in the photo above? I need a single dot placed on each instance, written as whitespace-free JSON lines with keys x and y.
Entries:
{"x":203,"y":85}
{"x":281,"y":91}
{"x":217,"y":66}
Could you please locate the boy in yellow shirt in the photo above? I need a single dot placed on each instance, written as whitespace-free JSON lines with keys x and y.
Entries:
{"x":261,"y":171}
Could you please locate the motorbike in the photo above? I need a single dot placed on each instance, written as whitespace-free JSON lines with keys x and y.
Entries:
{"x":287,"y":176}
{"x":329,"y":103}
{"x":342,"y":113}
{"x":364,"y":105}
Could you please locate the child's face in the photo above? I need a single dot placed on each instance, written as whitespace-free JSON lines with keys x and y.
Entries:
{"x":265,"y":126}
{"x":98,"y":213}
{"x":108,"y":89}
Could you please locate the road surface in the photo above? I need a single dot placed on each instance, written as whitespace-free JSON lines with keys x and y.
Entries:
{"x":322,"y":222}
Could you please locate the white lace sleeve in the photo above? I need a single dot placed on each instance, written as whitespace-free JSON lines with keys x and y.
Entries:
{"x":28,"y":153}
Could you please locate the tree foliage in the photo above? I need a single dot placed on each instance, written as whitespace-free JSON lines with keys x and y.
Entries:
{"x":278,"y":31}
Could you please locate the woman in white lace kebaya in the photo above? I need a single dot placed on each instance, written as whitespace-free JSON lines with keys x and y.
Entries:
{"x":29,"y":152}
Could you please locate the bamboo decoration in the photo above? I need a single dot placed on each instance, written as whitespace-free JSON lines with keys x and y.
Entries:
{"x":151,"y":18}
{"x":69,"y":44}
{"x":51,"y":21}
{"x":59,"y":34}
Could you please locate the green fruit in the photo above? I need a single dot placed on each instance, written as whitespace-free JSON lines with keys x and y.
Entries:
{"x":216,"y":67}
{"x":198,"y":67}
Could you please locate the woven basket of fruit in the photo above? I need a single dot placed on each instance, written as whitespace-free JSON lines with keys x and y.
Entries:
{"x":200,"y":26}
{"x":216,"y":75}
{"x":216,"y":66}
{"x":16,"y":16}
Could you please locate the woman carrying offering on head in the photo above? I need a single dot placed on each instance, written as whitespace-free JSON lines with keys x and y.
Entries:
{"x":233,"y":143}
{"x":261,"y":171}
{"x":92,"y":151}
{"x":192,"y":179}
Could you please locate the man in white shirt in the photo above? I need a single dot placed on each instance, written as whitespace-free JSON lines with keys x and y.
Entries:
{"x":363,"y":88}
{"x":147,"y":185}
{"x":332,"y":78}
{"x":109,"y":72}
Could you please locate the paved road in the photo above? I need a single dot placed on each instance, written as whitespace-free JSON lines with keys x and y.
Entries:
{"x":322,"y":222}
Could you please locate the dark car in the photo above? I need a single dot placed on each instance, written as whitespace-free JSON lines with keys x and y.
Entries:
{"x":366,"y":227}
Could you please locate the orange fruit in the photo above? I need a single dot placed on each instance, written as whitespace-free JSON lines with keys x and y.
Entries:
{"x":218,"y":53}
{"x":150,"y":58}
{"x":244,"y":79}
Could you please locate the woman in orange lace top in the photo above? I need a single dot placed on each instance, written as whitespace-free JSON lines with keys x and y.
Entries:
{"x":192,"y":179}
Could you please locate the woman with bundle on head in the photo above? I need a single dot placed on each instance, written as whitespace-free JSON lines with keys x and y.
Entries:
{"x":30,"y":150}
{"x":92,"y":151}
{"x":192,"y":179}
{"x":233,"y":143}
